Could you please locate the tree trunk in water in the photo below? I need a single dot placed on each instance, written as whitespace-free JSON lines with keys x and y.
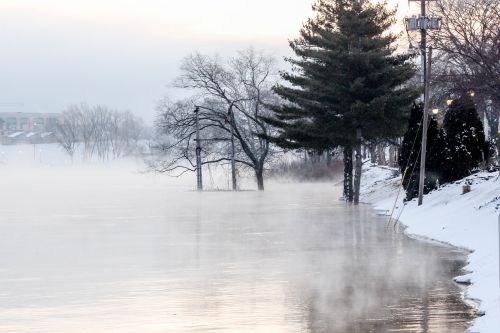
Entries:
{"x":259,"y":174}
{"x":328,"y":158}
{"x":358,"y":166}
{"x":348,"y":193}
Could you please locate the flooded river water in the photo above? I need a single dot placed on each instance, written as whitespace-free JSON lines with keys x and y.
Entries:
{"x":135,"y":255}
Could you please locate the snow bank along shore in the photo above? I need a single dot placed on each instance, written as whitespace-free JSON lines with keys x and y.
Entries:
{"x":469,"y":221}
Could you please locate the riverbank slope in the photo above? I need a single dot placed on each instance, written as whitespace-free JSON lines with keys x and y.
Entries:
{"x":470,"y":221}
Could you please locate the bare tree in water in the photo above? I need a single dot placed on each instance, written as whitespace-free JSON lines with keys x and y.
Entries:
{"x":232,"y":96}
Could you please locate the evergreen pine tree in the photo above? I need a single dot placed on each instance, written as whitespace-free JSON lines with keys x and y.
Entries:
{"x":346,"y":84}
{"x":465,"y":138}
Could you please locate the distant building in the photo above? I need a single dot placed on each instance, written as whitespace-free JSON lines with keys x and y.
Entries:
{"x":23,"y":127}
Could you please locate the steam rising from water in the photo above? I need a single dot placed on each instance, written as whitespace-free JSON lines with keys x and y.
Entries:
{"x":100,"y":250}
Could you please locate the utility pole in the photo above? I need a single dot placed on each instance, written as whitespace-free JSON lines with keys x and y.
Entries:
{"x":233,"y":162}
{"x":423,"y":154}
{"x":423,"y":41}
{"x":423,"y":45}
{"x":423,"y":23}
{"x":199,"y":179}
{"x":229,"y":119}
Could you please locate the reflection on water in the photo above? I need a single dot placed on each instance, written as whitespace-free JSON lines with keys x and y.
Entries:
{"x":292,"y":259}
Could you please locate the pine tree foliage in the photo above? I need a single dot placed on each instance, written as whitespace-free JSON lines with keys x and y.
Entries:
{"x":345,"y":78}
{"x":438,"y":157}
{"x":465,"y":138}
{"x":345,"y":75}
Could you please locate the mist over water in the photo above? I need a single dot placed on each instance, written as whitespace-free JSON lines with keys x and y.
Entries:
{"x":86,"y":249}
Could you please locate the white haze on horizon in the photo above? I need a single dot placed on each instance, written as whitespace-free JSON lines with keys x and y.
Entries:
{"x":124,"y":53}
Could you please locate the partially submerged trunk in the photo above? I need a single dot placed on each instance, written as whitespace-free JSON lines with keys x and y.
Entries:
{"x":348,"y":188}
{"x":259,"y":174}
{"x":358,"y":166}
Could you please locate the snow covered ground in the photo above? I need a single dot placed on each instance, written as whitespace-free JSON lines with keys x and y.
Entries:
{"x":469,"y":221}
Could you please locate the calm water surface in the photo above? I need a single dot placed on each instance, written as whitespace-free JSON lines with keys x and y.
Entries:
{"x":139,"y":257}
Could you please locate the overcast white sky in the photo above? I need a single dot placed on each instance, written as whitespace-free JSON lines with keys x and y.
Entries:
{"x":124,"y":53}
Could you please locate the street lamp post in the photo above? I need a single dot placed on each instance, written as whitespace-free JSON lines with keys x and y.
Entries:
{"x":423,"y":154}
{"x":199,"y":179}
{"x":422,"y":24}
{"x":233,"y":162}
{"x":232,"y":125}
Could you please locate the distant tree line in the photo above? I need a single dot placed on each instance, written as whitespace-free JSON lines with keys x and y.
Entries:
{"x":98,"y":132}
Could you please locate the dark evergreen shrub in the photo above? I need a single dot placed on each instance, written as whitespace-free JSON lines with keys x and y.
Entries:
{"x":465,"y":138}
{"x":409,"y":158}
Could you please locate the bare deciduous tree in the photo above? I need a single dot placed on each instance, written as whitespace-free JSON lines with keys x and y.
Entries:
{"x":103,"y":132}
{"x":469,"y":53}
{"x":67,"y":131}
{"x":232,"y":95}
